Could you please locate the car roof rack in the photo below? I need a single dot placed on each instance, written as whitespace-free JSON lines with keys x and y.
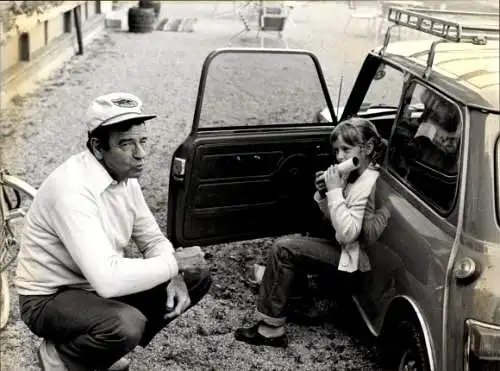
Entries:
{"x":446,"y":30}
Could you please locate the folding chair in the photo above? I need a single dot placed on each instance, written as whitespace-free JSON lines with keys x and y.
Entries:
{"x":267,"y":19}
{"x":274,"y":19}
{"x":247,"y":25}
{"x":236,"y":6}
{"x":370,"y":11}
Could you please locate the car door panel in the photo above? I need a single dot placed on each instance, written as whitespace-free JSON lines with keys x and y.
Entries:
{"x":247,"y":168}
{"x":229,"y":165}
{"x":240,"y":193}
{"x":260,"y":184}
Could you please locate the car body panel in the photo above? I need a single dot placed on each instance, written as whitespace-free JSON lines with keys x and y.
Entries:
{"x":410,"y":259}
{"x":481,"y":219}
{"x":477,"y":298}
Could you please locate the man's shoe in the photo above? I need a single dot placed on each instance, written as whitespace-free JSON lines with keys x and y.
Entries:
{"x":49,"y":357}
{"x":252,"y":336}
{"x":120,"y":365}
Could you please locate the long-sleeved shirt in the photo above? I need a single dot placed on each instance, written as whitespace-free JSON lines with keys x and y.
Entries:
{"x":77,"y":229}
{"x":355,"y":219}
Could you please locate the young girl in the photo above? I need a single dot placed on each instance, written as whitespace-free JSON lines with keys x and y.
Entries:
{"x":347,"y":200}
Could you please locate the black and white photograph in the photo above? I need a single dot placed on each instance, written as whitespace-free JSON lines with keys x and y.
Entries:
{"x":250,"y":185}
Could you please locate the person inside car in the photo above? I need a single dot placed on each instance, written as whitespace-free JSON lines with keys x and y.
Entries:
{"x":77,"y":290}
{"x":437,"y":136}
{"x":431,"y":139}
{"x":347,"y":200}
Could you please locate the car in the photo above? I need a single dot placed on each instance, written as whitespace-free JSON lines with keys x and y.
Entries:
{"x":260,"y":132}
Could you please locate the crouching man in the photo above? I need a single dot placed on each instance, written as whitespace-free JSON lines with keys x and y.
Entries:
{"x":77,"y":290}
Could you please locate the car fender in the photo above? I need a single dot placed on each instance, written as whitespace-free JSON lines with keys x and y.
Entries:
{"x":401,"y":305}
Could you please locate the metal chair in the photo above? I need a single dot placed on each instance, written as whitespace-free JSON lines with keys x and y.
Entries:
{"x":263,"y":19}
{"x":370,"y":11}
{"x":237,"y":5}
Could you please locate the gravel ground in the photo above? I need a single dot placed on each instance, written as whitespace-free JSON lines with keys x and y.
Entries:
{"x":43,"y":128}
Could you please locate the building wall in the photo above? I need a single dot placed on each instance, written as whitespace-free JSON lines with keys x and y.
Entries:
{"x":10,"y":55}
{"x":92,"y":7}
{"x":56,"y":27}
{"x":36,"y":38}
{"x":48,"y":30}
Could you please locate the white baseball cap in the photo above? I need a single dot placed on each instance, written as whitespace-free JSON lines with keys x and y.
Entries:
{"x":115,"y":108}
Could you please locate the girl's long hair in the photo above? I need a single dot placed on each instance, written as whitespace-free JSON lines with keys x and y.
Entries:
{"x":359,"y":131}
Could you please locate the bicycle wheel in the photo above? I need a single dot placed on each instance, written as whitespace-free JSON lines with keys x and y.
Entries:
{"x":4,"y":300}
{"x":15,"y":200}
{"x":15,"y":206}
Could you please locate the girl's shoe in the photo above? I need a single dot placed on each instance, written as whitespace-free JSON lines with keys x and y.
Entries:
{"x":252,"y":336}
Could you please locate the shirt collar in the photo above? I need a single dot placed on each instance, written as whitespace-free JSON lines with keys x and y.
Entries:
{"x":100,"y":178}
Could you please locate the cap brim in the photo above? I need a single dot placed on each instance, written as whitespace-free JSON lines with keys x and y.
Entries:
{"x":127,"y":118}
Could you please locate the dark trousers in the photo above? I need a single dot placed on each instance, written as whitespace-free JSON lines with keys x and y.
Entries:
{"x":91,"y":332}
{"x":288,"y":256}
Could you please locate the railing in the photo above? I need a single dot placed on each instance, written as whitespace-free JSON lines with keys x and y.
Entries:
{"x":447,"y":30}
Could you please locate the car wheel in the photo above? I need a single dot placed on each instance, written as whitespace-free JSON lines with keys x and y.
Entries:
{"x":412,"y":352}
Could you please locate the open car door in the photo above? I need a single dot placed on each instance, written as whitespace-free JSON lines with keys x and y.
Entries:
{"x":247,"y":168}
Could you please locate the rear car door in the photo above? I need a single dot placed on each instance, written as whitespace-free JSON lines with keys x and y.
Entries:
{"x":247,"y":168}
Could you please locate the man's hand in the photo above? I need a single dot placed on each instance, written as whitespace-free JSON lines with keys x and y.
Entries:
{"x":177,"y":297}
{"x":190,"y":259}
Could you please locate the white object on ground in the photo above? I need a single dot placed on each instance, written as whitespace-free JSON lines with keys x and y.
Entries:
{"x":258,"y":272}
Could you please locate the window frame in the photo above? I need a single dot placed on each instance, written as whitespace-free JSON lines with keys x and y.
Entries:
{"x":202,"y":91}
{"x":406,"y":97}
{"x":364,"y":80}
{"x":404,"y":78}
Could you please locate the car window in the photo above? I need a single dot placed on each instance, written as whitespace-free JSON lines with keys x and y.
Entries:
{"x":385,"y":89}
{"x":381,"y":101}
{"x":425,"y":145}
{"x":255,"y":89}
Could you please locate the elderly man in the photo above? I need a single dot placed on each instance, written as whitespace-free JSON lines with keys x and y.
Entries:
{"x":77,"y":290}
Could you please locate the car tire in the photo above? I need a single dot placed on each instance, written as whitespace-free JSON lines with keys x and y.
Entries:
{"x":141,"y":20}
{"x":401,"y":346}
{"x":411,"y":350}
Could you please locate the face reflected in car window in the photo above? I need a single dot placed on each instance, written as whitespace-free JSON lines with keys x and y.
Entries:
{"x":425,"y":146}
{"x":439,"y":123}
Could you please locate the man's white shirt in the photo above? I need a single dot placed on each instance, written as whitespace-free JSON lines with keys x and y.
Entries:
{"x":77,"y":230}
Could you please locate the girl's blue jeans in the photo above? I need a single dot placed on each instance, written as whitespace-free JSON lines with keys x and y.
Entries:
{"x":288,"y":256}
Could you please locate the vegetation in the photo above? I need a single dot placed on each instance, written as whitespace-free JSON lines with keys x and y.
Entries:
{"x":9,"y":10}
